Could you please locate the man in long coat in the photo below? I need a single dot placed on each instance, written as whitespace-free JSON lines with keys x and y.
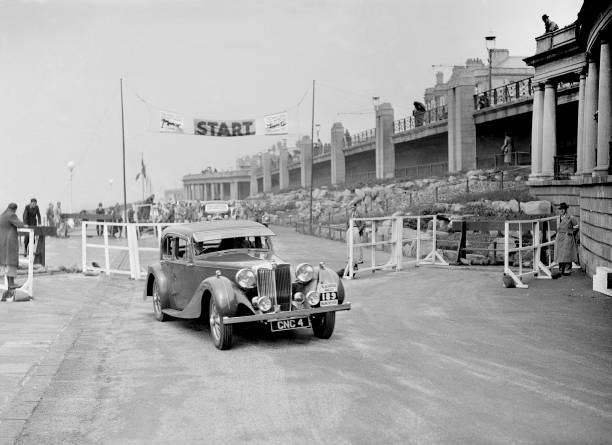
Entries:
{"x":9,"y":248}
{"x":566,"y":251}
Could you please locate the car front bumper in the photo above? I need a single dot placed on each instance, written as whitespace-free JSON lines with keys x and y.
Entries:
{"x":286,"y":314}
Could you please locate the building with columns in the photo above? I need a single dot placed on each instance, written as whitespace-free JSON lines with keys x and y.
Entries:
{"x":578,"y":173}
{"x":556,"y":107}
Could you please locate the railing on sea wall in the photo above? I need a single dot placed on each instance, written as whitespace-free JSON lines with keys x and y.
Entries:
{"x":564,"y":166}
{"x":504,"y":94}
{"x":419,"y":119}
{"x":364,"y":136}
{"x":422,"y":170}
{"x":497,"y":160}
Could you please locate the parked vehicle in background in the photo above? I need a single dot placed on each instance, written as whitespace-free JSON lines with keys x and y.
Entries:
{"x":216,"y":210}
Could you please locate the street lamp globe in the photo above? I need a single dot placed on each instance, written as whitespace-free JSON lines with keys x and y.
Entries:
{"x":71,"y":166}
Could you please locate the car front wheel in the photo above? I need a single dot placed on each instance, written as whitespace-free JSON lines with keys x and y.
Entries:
{"x":323,"y":324}
{"x":158,"y":305}
{"x":220,"y":332}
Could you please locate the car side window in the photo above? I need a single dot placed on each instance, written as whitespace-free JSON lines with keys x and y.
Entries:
{"x":181,"y":249}
{"x":167,"y":248}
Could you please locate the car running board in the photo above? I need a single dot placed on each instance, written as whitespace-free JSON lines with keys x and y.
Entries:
{"x":176,"y":313}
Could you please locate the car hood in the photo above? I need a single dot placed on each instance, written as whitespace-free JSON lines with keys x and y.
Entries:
{"x":239,"y":258}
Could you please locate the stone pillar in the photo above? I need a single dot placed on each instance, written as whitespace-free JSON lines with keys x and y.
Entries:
{"x":385,"y":149}
{"x":305,"y":161}
{"x":580,"y":134}
{"x":283,"y":170}
{"x":206,"y":194}
{"x":266,"y":170}
{"x":450,"y":104}
{"x":338,"y":167}
{"x":234,"y":190}
{"x":462,"y":140}
{"x":253,"y":188}
{"x":537,"y":119}
{"x":604,"y":112}
{"x":590,"y":124}
{"x":549,"y":130}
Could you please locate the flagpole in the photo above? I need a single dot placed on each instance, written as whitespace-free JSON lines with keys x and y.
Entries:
{"x":123,"y":144}
{"x":143,"y":178}
{"x":312,"y":150}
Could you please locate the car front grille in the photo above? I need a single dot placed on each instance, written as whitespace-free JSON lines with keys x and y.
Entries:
{"x":276,"y":284}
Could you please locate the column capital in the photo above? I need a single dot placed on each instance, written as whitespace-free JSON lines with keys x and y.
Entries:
{"x":550,"y":83}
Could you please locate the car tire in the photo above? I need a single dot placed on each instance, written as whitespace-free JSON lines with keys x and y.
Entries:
{"x":222,"y":334}
{"x":323,"y":324}
{"x":158,"y":304}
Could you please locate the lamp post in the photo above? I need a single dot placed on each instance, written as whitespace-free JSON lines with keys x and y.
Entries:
{"x":70,"y":166}
{"x":377,"y":134}
{"x":110,"y":184}
{"x":490,"y":45}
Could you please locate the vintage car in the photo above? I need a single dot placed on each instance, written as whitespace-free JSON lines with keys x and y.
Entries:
{"x":227,"y":272}
{"x":216,"y":210}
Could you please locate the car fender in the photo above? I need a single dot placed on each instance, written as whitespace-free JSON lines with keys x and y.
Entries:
{"x":154,"y":272}
{"x":221,"y":289}
{"x":327,"y":275}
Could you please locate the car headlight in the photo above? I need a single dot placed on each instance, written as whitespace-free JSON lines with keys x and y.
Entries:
{"x":298,"y":300}
{"x":304,"y":272}
{"x":313,"y":298}
{"x":245,"y":278}
{"x":264,"y":303}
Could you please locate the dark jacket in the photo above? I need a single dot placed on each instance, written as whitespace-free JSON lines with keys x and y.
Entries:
{"x":31,"y":216}
{"x":9,"y":242}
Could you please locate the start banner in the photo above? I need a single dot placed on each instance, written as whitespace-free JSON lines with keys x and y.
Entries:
{"x":210,"y":127}
{"x":270,"y":125}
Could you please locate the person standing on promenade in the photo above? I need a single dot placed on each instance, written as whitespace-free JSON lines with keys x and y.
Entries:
{"x":566,"y":251}
{"x":50,"y":215}
{"x":99,"y":228}
{"x":9,"y":249}
{"x":31,"y":218}
{"x":507,"y":148}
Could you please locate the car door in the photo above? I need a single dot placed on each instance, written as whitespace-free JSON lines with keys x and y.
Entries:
{"x":186,"y":273}
{"x":167,"y":265}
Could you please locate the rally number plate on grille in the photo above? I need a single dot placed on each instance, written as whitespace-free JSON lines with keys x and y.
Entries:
{"x":328,"y":293}
{"x":292,"y":323}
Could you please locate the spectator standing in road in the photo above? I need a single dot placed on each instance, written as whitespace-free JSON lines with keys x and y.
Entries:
{"x":31,"y":218}
{"x":57,"y":215}
{"x":549,"y":25}
{"x":566,"y":251}
{"x":50,"y":215}
{"x":9,"y":249}
{"x":507,"y":148}
{"x":99,"y":228}
{"x":355,"y":234}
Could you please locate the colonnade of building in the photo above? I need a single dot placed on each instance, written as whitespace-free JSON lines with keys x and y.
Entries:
{"x":210,"y":191}
{"x":594,"y":120}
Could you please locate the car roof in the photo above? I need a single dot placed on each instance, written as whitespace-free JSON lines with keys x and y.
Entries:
{"x":210,"y":230}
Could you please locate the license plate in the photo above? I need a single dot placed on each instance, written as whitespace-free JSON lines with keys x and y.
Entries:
{"x":292,"y":323}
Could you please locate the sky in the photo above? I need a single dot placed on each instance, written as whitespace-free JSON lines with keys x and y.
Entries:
{"x":61,"y":61}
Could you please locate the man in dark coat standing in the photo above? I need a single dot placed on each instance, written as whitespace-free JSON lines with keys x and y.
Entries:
{"x":31,"y":218}
{"x":9,"y":248}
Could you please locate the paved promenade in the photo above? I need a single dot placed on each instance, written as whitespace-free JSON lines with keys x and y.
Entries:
{"x":426,"y":355}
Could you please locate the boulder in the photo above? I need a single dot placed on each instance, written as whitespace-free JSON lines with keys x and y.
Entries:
{"x":536,"y":207}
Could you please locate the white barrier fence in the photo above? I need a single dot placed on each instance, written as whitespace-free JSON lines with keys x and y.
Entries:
{"x":28,"y":286}
{"x":539,"y":231}
{"x":133,"y":248}
{"x":393,"y":226}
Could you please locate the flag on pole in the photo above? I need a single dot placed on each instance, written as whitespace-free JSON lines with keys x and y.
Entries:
{"x":143,"y":170}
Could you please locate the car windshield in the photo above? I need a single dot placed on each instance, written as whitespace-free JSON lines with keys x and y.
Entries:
{"x":242,"y":242}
